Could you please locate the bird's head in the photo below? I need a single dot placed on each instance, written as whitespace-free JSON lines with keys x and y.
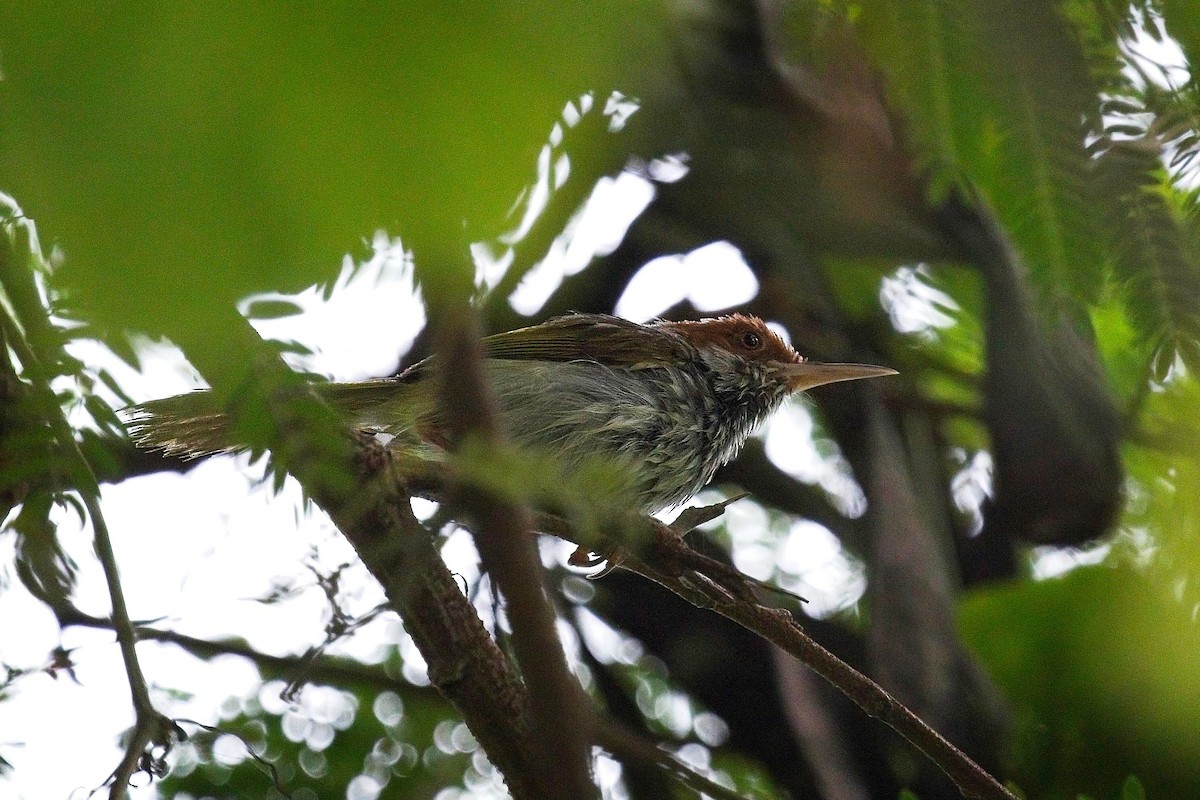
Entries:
{"x":746,"y":355}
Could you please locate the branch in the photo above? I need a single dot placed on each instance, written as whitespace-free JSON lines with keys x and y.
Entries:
{"x":327,"y":669}
{"x":151,"y":728}
{"x":561,"y":736}
{"x":465,"y":663}
{"x":707,"y":583}
{"x":630,"y":745}
{"x":666,"y":559}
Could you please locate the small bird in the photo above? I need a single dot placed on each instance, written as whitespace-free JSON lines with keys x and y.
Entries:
{"x":666,"y":402}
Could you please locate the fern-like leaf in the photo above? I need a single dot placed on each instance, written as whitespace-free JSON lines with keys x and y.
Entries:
{"x":1152,"y":229}
{"x":1000,"y":93}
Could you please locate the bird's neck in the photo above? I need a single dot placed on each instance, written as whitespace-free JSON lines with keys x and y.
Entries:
{"x":742,"y":394}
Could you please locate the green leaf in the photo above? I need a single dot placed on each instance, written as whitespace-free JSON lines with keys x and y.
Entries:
{"x":1182,"y":21}
{"x":1151,"y":232}
{"x":997,"y":93}
{"x":926,"y":48}
{"x":1035,"y":171}
{"x":1132,"y":789}
{"x":1152,"y":254}
{"x":272,"y":309}
{"x":189,"y":155}
{"x":1097,"y":666}
{"x":107,"y":379}
{"x":46,"y":570}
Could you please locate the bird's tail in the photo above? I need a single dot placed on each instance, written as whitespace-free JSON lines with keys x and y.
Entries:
{"x":195,"y":424}
{"x":189,"y":425}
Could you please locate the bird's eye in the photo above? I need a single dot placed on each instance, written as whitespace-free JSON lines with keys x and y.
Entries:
{"x":751,"y":340}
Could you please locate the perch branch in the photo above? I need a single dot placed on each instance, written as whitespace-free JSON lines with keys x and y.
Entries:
{"x":670,"y":562}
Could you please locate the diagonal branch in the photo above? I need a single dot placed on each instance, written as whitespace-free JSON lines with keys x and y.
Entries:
{"x":465,"y":663}
{"x":704,"y":582}
{"x":561,"y":735}
{"x":664,"y":557}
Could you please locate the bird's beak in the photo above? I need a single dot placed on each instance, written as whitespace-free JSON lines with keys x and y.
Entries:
{"x":808,"y":374}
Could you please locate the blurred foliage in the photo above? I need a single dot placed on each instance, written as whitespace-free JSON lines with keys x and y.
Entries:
{"x":1100,"y":663}
{"x":1097,"y":667}
{"x":1041,"y":108}
{"x":44,"y":460}
{"x":191,"y":154}
{"x":996,"y":94}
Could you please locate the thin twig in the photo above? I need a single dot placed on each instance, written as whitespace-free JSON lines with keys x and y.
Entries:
{"x":707,"y":583}
{"x":151,"y":728}
{"x":780,"y":628}
{"x":319,"y":668}
{"x":631,"y":745}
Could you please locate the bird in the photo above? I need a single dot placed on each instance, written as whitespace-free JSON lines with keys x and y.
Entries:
{"x":667,"y":402}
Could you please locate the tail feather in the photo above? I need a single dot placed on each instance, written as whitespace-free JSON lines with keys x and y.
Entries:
{"x":194,"y":425}
{"x":188,"y":425}
{"x":388,"y":404}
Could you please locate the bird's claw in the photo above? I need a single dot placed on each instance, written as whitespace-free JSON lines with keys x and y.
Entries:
{"x":614,"y":555}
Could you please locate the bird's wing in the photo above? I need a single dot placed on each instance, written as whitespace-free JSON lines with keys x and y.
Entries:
{"x":589,"y":337}
{"x":600,"y":338}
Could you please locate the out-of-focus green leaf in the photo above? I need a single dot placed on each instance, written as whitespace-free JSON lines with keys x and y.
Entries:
{"x":1033,"y":166}
{"x":1182,"y":21}
{"x":1132,"y":789}
{"x":189,"y":154}
{"x":927,"y":49}
{"x":1164,"y":491}
{"x":272,"y":309}
{"x":1101,"y":27}
{"x":1120,"y":345}
{"x":1099,"y":668}
{"x":998,"y":93}
{"x":46,"y":570}
{"x":1154,"y":246}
